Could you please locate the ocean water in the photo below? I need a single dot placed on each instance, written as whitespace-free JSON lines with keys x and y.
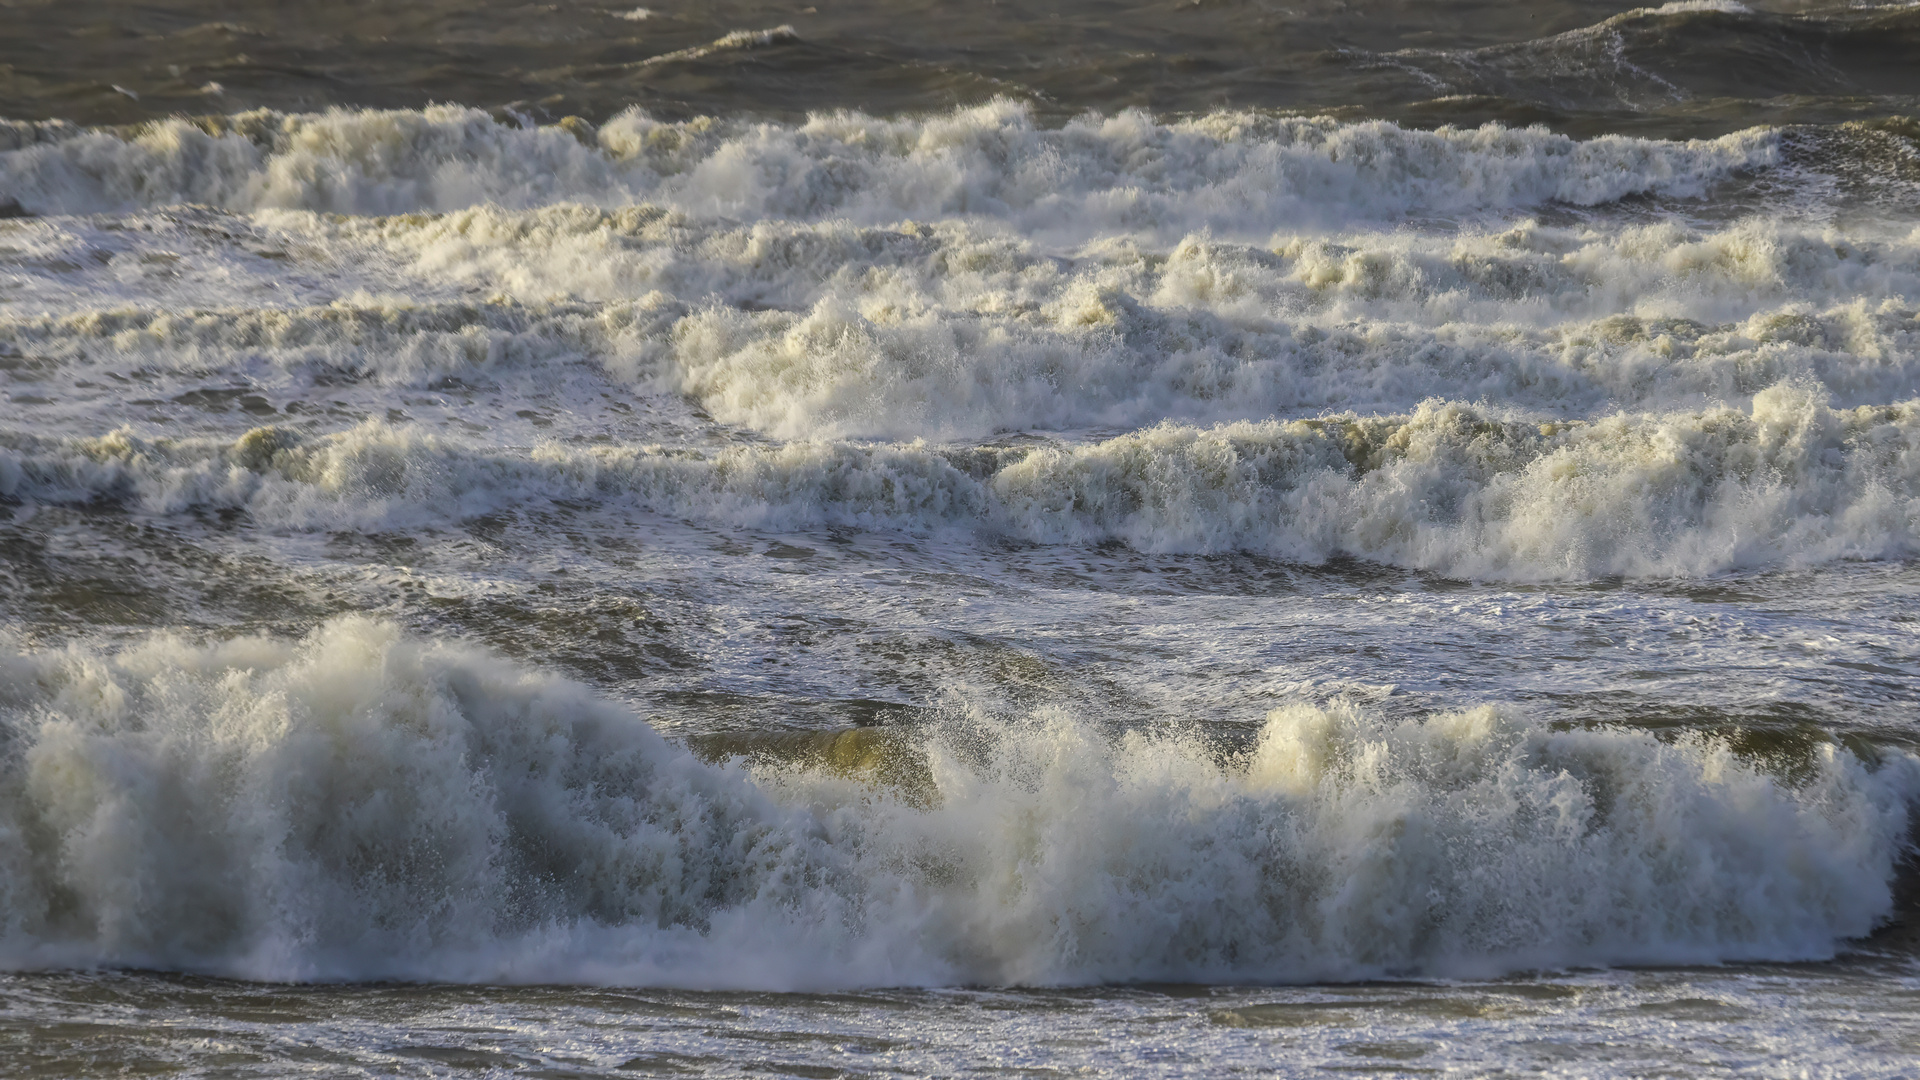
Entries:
{"x":904,"y":539}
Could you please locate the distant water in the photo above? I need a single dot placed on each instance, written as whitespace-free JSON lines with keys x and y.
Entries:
{"x":1694,"y":67}
{"x":908,"y":539}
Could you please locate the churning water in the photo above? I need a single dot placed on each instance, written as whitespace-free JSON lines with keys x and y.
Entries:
{"x":905,"y":539}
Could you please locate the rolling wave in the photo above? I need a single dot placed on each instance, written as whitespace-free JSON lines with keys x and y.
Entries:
{"x":954,"y":332}
{"x":1120,"y":174}
{"x":1458,"y":489}
{"x":362,"y":804}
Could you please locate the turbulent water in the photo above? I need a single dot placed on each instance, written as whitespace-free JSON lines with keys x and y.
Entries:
{"x":907,"y":539}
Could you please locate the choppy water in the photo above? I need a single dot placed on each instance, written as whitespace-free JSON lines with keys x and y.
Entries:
{"x":1693,"y":67}
{"x":920,"y":539}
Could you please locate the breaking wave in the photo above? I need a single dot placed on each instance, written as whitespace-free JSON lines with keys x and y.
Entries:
{"x":1464,"y":490}
{"x":361,"y":804}
{"x":950,"y":332}
{"x":1127,"y":173}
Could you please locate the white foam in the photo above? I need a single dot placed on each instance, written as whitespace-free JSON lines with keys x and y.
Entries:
{"x":1239,"y":173}
{"x":1688,"y":7}
{"x":1648,"y":317}
{"x":954,"y":331}
{"x":732,"y":41}
{"x":364,"y":805}
{"x":1472,"y":492}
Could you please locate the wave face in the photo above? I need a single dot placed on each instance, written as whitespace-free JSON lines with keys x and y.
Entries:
{"x":1650,"y":58}
{"x":1486,"y":352}
{"x":364,"y":804}
{"x":954,"y":331}
{"x":1231,"y":171}
{"x":1463,"y":491}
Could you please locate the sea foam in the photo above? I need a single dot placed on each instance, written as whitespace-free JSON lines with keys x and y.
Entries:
{"x":1125,"y":173}
{"x":362,"y":804}
{"x":950,"y":331}
{"x":1463,"y":490}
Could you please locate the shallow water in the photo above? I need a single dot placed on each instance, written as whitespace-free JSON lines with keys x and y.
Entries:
{"x":882,"y":539}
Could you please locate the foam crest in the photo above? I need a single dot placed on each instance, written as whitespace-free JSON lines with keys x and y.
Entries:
{"x":1689,"y":7}
{"x":343,"y":161}
{"x":393,"y":343}
{"x":1235,"y":172}
{"x":379,"y":475}
{"x":735,"y":41}
{"x":1458,"y":489}
{"x":1469,"y":492}
{"x":357,"y":806}
{"x":953,"y":331}
{"x":1649,"y":316}
{"x":361,"y":805}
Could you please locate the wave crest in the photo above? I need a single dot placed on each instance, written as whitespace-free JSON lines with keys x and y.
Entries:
{"x":1453,"y":488}
{"x":362,"y":804}
{"x":1235,"y":172}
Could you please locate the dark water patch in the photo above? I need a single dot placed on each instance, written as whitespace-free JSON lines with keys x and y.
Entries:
{"x":1693,"y":1010}
{"x":1571,"y":63}
{"x":606,"y":637}
{"x":724,"y":713}
{"x":219,"y":401}
{"x":667,"y":1064}
{"x":884,"y":757}
{"x":1290,"y":1014}
{"x":460,"y":1057}
{"x":91,"y":569}
{"x":809,"y":1072}
{"x":1399,"y":1050}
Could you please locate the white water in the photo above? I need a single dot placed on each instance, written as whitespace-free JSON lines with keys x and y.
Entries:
{"x":1126,"y":173}
{"x":576,"y":378}
{"x":1184,"y":593}
{"x":1468,"y":492}
{"x":363,"y":804}
{"x":952,"y":332}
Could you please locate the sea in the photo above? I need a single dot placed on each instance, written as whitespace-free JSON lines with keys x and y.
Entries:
{"x":892,"y":538}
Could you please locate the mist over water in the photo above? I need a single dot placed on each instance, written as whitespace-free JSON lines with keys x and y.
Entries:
{"x":905,"y":538}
